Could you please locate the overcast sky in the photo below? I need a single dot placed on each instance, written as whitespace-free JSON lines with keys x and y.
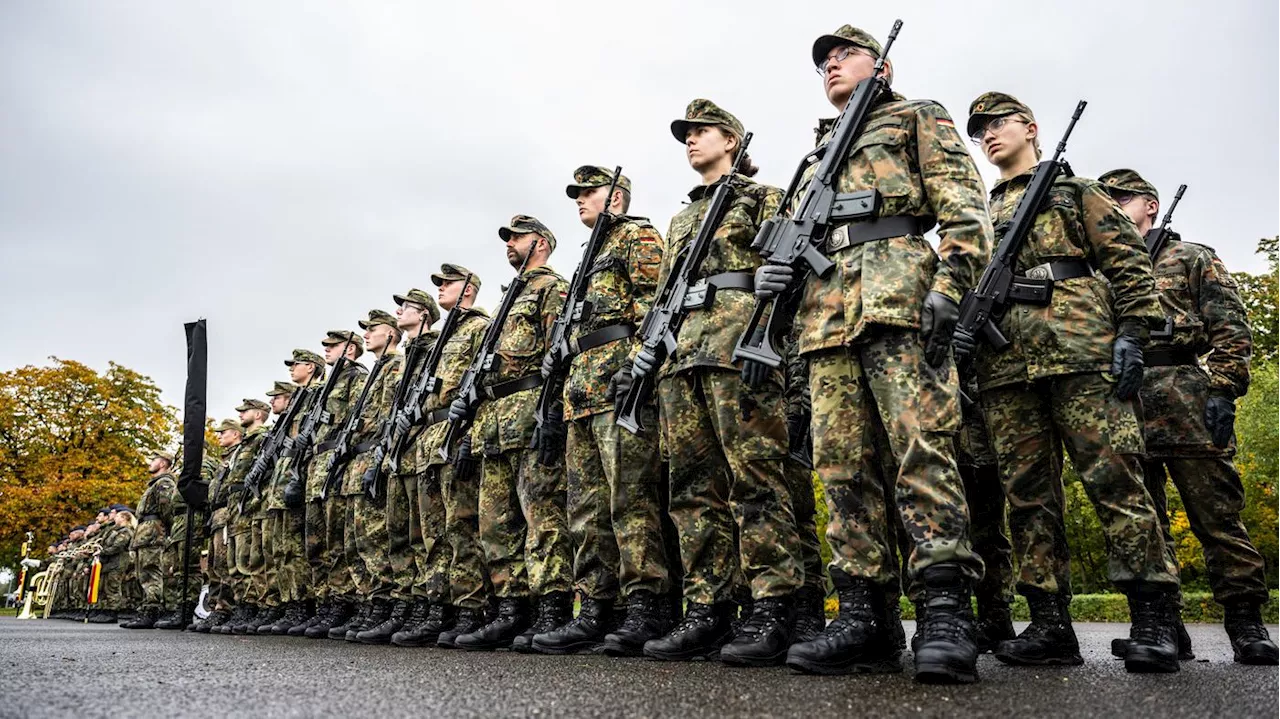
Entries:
{"x":281,"y":168}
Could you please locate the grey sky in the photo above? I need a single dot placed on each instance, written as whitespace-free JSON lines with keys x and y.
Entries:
{"x":281,"y":168}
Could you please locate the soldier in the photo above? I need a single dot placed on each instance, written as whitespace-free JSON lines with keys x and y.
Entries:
{"x":613,"y":503}
{"x":451,"y":561}
{"x":219,"y":566}
{"x":523,"y":526}
{"x":97,"y":612}
{"x":174,"y":553}
{"x":155,"y":509}
{"x":724,"y":427}
{"x":114,"y":556}
{"x":875,"y":331}
{"x":1070,"y":378}
{"x":1190,"y":415}
{"x":248,"y":521}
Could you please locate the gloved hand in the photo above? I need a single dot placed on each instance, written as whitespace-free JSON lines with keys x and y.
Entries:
{"x":548,"y":366}
{"x":465,"y":464}
{"x":619,"y":388}
{"x":458,"y":410}
{"x":937,"y":322}
{"x":369,"y":481}
{"x":644,"y":365}
{"x":402,"y":423}
{"x":551,"y":439}
{"x":293,"y":493}
{"x":963,"y":346}
{"x":1220,"y":418}
{"x":1126,"y":364}
{"x":773,"y":279}
{"x":302,"y":441}
{"x":755,"y":373}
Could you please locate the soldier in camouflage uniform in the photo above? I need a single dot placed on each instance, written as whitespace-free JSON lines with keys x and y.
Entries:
{"x":724,"y":427}
{"x":875,"y":331}
{"x":155,"y":510}
{"x":612,"y":475}
{"x":1189,"y":415}
{"x":114,"y":556}
{"x":1070,"y":378}
{"x":410,"y":495}
{"x":523,"y":523}
{"x":237,"y":530}
{"x":452,"y":570}
{"x":175,"y":552}
{"x":220,"y":567}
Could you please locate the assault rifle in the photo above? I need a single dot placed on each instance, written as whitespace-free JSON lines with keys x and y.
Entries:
{"x":679,"y":295}
{"x":342,"y":450}
{"x":984,"y":305}
{"x":1156,"y":239}
{"x":303,"y":445}
{"x":264,"y":463}
{"x":797,"y":241}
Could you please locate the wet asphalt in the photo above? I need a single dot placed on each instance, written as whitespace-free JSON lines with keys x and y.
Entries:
{"x":51,"y":668}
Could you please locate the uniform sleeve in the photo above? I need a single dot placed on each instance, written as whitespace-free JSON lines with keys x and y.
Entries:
{"x":955,"y":194}
{"x":1226,"y":323}
{"x":553,"y":299}
{"x":644,"y":264}
{"x":116,"y":543}
{"x":1121,"y":255}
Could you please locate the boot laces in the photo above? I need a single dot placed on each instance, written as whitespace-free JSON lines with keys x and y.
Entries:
{"x":946,"y":619}
{"x":638,"y":612}
{"x":765,"y":616}
{"x":1147,"y":621}
{"x":698,"y":616}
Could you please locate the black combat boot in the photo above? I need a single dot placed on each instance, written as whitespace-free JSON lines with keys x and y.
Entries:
{"x":859,"y":640}
{"x":762,"y":639}
{"x":1049,"y":639}
{"x":554,"y":609}
{"x":994,"y":625}
{"x":468,"y":621}
{"x":294,"y":614}
{"x":226,"y":619}
{"x":893,"y":619}
{"x":1153,"y":640}
{"x":239,"y":614}
{"x":268,"y":618}
{"x":705,"y":629}
{"x":418,"y":612}
{"x":146,"y":619}
{"x":354,"y":619}
{"x":172,"y":620}
{"x":382,"y":632}
{"x":215,"y":618}
{"x":102,"y":616}
{"x":247,"y":623}
{"x":512,"y":620}
{"x":300,"y":630}
{"x":1120,"y":645}
{"x":947,"y":653}
{"x":1250,"y":642}
{"x":646,"y":619}
{"x":810,"y":615}
{"x":378,"y":613}
{"x":336,"y":612}
{"x":424,"y":626}
{"x":580,"y":634}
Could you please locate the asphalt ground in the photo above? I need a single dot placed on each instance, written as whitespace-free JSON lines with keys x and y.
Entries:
{"x":52,"y":668}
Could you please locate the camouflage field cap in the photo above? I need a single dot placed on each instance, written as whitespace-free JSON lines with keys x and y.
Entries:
{"x":1126,"y":180}
{"x":991,"y":105}
{"x":589,"y":176}
{"x":278,"y":388}
{"x":525,"y":224}
{"x":705,"y":112}
{"x":377,"y":317}
{"x":341,"y":337}
{"x":420,"y":297}
{"x":454,"y":273}
{"x":248,"y":404}
{"x":301,"y":355}
{"x":163,"y":454}
{"x":228,"y":425}
{"x":846,"y":35}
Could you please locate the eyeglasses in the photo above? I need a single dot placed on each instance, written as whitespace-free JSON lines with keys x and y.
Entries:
{"x":993,"y":127}
{"x":840,"y":56}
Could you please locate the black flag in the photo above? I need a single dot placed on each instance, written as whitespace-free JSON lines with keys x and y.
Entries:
{"x":191,"y":485}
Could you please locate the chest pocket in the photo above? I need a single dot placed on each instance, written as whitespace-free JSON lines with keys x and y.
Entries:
{"x":607,"y":287}
{"x":1057,"y":235}
{"x":522,"y":333}
{"x":732,"y":251}
{"x":881,"y":159}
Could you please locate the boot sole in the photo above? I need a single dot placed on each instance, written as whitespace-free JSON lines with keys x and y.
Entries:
{"x":702,"y":655}
{"x":885,"y":666}
{"x":735,"y":660}
{"x":1143,"y":662}
{"x":1120,"y":647}
{"x":1265,"y":659}
{"x":577,"y":648}
{"x":613,"y":649}
{"x":943,"y":673}
{"x":1013,"y":661}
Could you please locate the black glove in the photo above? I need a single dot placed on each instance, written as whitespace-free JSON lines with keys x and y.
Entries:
{"x":772,"y":280}
{"x":551,"y":439}
{"x":619,"y":388}
{"x":1220,"y":418}
{"x":755,"y":373}
{"x":403,"y":422}
{"x":293,"y":493}
{"x":548,"y":366}
{"x":465,"y":464}
{"x":937,"y":323}
{"x":644,"y":365}
{"x":458,"y":410}
{"x":963,"y":346}
{"x":302,"y":441}
{"x":1126,"y":365}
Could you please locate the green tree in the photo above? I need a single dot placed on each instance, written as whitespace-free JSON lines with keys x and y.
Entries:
{"x":1259,"y":294}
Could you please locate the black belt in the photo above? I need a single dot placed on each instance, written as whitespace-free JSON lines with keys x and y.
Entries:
{"x":149,"y":517}
{"x":601,"y":337}
{"x":702,"y":294}
{"x":326,"y":445}
{"x":1035,"y":287}
{"x":437,"y":416}
{"x":857,"y":233}
{"x":510,"y":387}
{"x":366,"y":446}
{"x":1169,"y":357}
{"x":217,"y":505}
{"x":235,"y":487}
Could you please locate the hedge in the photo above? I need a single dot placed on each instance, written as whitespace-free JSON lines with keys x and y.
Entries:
{"x":1196,"y":607}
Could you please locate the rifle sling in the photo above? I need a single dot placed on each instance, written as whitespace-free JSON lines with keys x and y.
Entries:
{"x":702,"y":294}
{"x":601,"y":337}
{"x":326,"y":445}
{"x":510,"y":387}
{"x":1169,"y":357}
{"x":883,"y":228}
{"x":1035,"y":287}
{"x":436,"y":417}
{"x":366,"y":446}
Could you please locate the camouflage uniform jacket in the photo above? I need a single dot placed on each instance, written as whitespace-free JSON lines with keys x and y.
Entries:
{"x":115,"y":545}
{"x":219,"y":488}
{"x":1209,"y":320}
{"x":911,"y":153}
{"x":455,"y":358}
{"x":157,"y":499}
{"x":273,"y":498}
{"x":337,"y":406}
{"x":508,"y":423}
{"x":242,"y":461}
{"x":708,"y":337}
{"x":411,"y":461}
{"x":621,"y":285}
{"x":1075,"y":331}
{"x":375,"y":412}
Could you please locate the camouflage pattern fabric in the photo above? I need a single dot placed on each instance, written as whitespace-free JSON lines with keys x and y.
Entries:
{"x":283,"y":539}
{"x":985,"y":496}
{"x":432,"y":552}
{"x":337,"y":407}
{"x":376,"y":411}
{"x":114,"y":556}
{"x":404,"y":533}
{"x":1102,"y":437}
{"x":150,"y":538}
{"x":240,"y":524}
{"x":523,"y":527}
{"x":172,"y":562}
{"x":799,"y":407}
{"x":469,"y":583}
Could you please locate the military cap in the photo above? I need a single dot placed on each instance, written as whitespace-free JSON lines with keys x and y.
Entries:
{"x":525,"y":224}
{"x":248,"y":404}
{"x":846,"y":35}
{"x":79,"y":528}
{"x":589,"y":176}
{"x":305,"y":356}
{"x":341,"y":337}
{"x":990,"y":105}
{"x":124,"y":508}
{"x":420,"y":297}
{"x":450,"y":272}
{"x":164,"y":454}
{"x":278,"y":388}
{"x":705,"y":112}
{"x":105,"y":510}
{"x":229,"y":424}
{"x":377,"y":317}
{"x":1126,"y":180}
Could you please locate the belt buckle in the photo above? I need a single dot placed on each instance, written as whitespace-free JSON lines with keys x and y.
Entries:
{"x":696,"y":296}
{"x":838,"y":239}
{"x":1040,"y":272}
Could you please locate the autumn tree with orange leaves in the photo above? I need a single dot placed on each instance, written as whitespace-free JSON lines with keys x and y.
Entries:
{"x":73,"y":440}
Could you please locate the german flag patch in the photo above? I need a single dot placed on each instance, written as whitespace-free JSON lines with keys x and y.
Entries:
{"x":944,"y":122}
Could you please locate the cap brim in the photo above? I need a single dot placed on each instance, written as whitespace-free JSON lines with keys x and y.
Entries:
{"x":981,"y":119}
{"x":288,"y":363}
{"x":401,"y":299}
{"x":574,"y":190}
{"x":825,"y":44}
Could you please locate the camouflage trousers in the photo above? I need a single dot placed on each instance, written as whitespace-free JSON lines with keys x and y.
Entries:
{"x":523,"y":525}
{"x":1103,"y":438}
{"x":283,"y":538}
{"x":111,"y":593}
{"x":173,"y":590}
{"x":325,"y":521}
{"x":730,"y":500}
{"x":251,"y":558}
{"x":149,"y":564}
{"x":365,"y":541}
{"x":882,"y":386}
{"x":804,"y":509}
{"x":469,"y":583}
{"x":985,"y":495}
{"x":613,"y":508}
{"x":432,"y":552}
{"x":1213,"y":498}
{"x":220,"y":569}
{"x":404,"y":531}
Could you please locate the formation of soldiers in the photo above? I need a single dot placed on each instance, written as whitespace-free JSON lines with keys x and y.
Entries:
{"x":463,"y":489}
